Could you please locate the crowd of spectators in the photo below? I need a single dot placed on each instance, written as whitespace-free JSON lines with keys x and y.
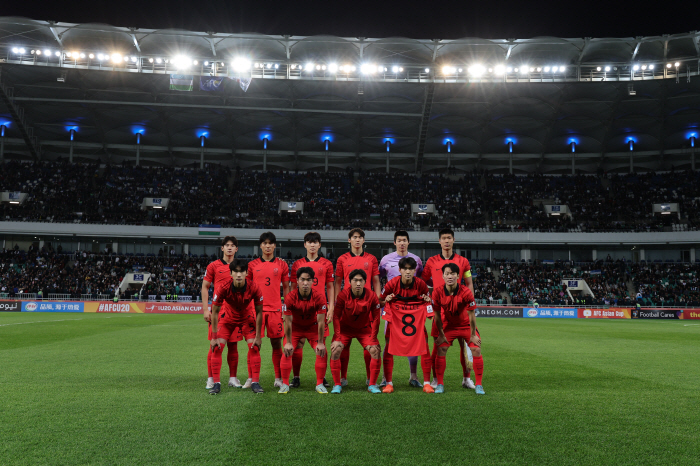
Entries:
{"x":666,"y":284}
{"x":64,"y":192}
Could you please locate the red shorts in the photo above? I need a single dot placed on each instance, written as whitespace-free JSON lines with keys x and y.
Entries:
{"x":247,"y":328}
{"x":365,"y":338}
{"x":273,"y":323}
{"x":236,"y":336}
{"x":310,"y":335}
{"x":464,"y":332}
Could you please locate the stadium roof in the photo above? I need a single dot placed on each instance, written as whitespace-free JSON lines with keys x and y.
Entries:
{"x":611,"y":98}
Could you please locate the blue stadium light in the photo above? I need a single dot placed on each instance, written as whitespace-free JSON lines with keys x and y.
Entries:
{"x":202,"y":132}
{"x":327,"y":143}
{"x":201,"y":140}
{"x":2,"y":130}
{"x":631,"y":142}
{"x":572,"y":142}
{"x":448,"y":143}
{"x":510,"y":142}
{"x":138,"y":138}
{"x":138,"y":130}
{"x":72,"y":134}
{"x":388,"y":145}
{"x":265,"y":140}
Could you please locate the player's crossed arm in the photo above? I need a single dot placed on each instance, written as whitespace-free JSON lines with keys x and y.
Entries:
{"x":288,"y":349}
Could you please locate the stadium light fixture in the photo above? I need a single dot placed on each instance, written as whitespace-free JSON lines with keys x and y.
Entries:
{"x":367,"y":68}
{"x":57,"y":53}
{"x":573,"y":146}
{"x":116,"y":58}
{"x":607,"y":68}
{"x":265,"y":141}
{"x":523,"y":69}
{"x":91,"y":56}
{"x":476,"y":70}
{"x":2,"y":130}
{"x":449,"y":146}
{"x":635,"y":68}
{"x":327,"y":143}
{"x":15,"y":50}
{"x":677,"y":64}
{"x":500,"y":69}
{"x":644,"y":67}
{"x":546,"y":69}
{"x":47,"y":52}
{"x":668,"y":65}
{"x":309,"y":67}
{"x":241,"y":64}
{"x":22,"y":51}
{"x":651,"y":67}
{"x":509,"y":69}
{"x":388,"y":145}
{"x":38,"y":52}
{"x":427,"y":70}
{"x":539,"y":68}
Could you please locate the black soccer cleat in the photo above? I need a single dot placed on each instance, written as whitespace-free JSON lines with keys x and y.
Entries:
{"x":296,"y":383}
{"x":325,"y":383}
{"x":216,"y":389}
{"x":255,"y":386}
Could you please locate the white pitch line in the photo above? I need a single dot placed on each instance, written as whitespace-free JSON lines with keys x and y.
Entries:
{"x":37,"y":322}
{"x":691,"y":325}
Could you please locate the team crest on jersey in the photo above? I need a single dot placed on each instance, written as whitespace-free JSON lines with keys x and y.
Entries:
{"x":275,"y":271}
{"x":320,"y":270}
{"x":366,"y":265}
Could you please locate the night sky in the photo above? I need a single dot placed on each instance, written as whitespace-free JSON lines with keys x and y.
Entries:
{"x":493,"y":19}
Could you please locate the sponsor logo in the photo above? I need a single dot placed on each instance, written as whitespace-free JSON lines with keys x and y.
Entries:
{"x":611,"y":313}
{"x":499,"y":312}
{"x":50,"y":306}
{"x":587,"y":313}
{"x":635,"y":314}
{"x":31,"y":307}
{"x":691,"y":314}
{"x":114,"y":307}
{"x":138,"y":277}
{"x":10,"y":306}
{"x":659,"y":313}
{"x":175,"y":308}
{"x":552,"y":312}
{"x":532,"y":313}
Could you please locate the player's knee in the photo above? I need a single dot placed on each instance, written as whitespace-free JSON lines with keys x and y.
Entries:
{"x":476,"y":352}
{"x":373,"y":351}
{"x":442,"y":350}
{"x":276,"y":343}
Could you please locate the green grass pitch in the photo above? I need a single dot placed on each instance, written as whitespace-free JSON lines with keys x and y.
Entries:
{"x":129,"y":389}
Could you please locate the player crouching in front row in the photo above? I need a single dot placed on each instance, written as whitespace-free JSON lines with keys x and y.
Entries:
{"x":304,"y":318}
{"x":238,"y":294}
{"x":356,"y":316}
{"x":456,"y":304}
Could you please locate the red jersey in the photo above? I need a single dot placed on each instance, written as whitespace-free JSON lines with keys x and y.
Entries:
{"x":394,"y":286}
{"x":323,"y":273}
{"x":454,"y":308}
{"x":356,"y":314}
{"x":268,"y":275}
{"x":432,"y":273}
{"x":408,"y":334}
{"x":304,"y":312}
{"x":238,"y":300}
{"x":349,"y":262}
{"x":217,"y":273}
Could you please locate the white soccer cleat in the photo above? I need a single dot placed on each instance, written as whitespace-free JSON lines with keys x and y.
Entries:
{"x":234,"y":382}
{"x":278,"y":383}
{"x":467,"y":383}
{"x":210,"y":383}
{"x":247,"y":383}
{"x":433,"y":383}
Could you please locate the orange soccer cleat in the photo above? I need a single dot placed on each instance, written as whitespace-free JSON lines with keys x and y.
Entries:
{"x":388,"y":389}
{"x":428,"y":389}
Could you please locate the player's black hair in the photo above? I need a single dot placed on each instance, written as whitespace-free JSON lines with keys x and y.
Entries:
{"x":268,"y":236}
{"x":452,"y":266}
{"x":359,"y":272}
{"x":238,"y":265}
{"x":401,"y":233}
{"x":229,"y":238}
{"x":356,"y":230}
{"x":312,"y":237}
{"x":446,"y":231}
{"x":407,"y":263}
{"x":304,"y":270}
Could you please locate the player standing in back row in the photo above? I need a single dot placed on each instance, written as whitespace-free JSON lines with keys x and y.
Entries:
{"x":388,"y":269}
{"x":268,"y":272}
{"x":218,"y":273}
{"x":322,"y":285}
{"x":432,"y":275}
{"x":356,"y":259}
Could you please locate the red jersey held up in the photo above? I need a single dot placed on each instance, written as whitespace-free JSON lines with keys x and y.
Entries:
{"x":349,"y":262}
{"x":454,"y":308}
{"x":304,"y":312}
{"x":268,"y":275}
{"x":408,"y":334}
{"x":394,"y":286}
{"x":432,"y":273}
{"x":323,"y":271}
{"x":356,"y":315}
{"x":238,"y":300}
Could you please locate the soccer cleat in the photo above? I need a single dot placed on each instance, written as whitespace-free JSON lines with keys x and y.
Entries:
{"x":210,"y":383}
{"x":278,"y":383}
{"x":234,"y":382}
{"x":215,"y":389}
{"x":388,"y":389}
{"x":440,"y":388}
{"x":321,"y":389}
{"x":325,"y":383}
{"x":428,"y":389}
{"x":414,"y":383}
{"x":296,"y":383}
{"x":367,"y":382}
{"x":373,"y":389}
{"x":247,"y":383}
{"x":284,"y":388}
{"x":337,"y":389}
{"x":480,"y":390}
{"x":382,"y":384}
{"x":343,"y":382}
{"x":255,"y":386}
{"x":467,"y":383}
{"x":433,"y":383}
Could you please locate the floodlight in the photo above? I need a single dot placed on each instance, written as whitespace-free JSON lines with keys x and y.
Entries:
{"x":546,"y":69}
{"x":150,"y":60}
{"x":353,"y":68}
{"x":367,"y":68}
{"x":427,"y":70}
{"x":91,"y":56}
{"x":323,"y":67}
{"x":15,"y":50}
{"x":635,"y":67}
{"x":38,"y":52}
{"x":532,"y":69}
{"x":206,"y":63}
{"x":293,"y":66}
{"x":516,"y":70}
{"x":476,"y":70}
{"x":277,"y":65}
{"x":668,"y":65}
{"x":394,"y":69}
{"x":500,"y":69}
{"x":676,"y":64}
{"x":651,"y":67}
{"x":598,"y":68}
{"x":523,"y":70}
{"x":100,"y":56}
{"x":195,"y":62}
{"x":241,"y":64}
{"x":269,"y":65}
{"x":68,"y":55}
{"x":47,"y":52}
{"x":539,"y":68}
{"x":509,"y":69}
{"x":58,"y":54}
{"x":459,"y":70}
{"x":644,"y":67}
{"x":607,"y":68}
{"x":446,"y":70}
{"x":22,"y":51}
{"x":116,"y":58}
{"x":76,"y":55}
{"x":309,"y":67}
{"x":490,"y":70}
{"x":82,"y":55}
{"x":318,"y":67}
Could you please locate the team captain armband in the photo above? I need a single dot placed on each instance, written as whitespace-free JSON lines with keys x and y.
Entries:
{"x":467,"y":274}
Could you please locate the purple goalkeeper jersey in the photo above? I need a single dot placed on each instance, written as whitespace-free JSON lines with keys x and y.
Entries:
{"x":389,"y":266}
